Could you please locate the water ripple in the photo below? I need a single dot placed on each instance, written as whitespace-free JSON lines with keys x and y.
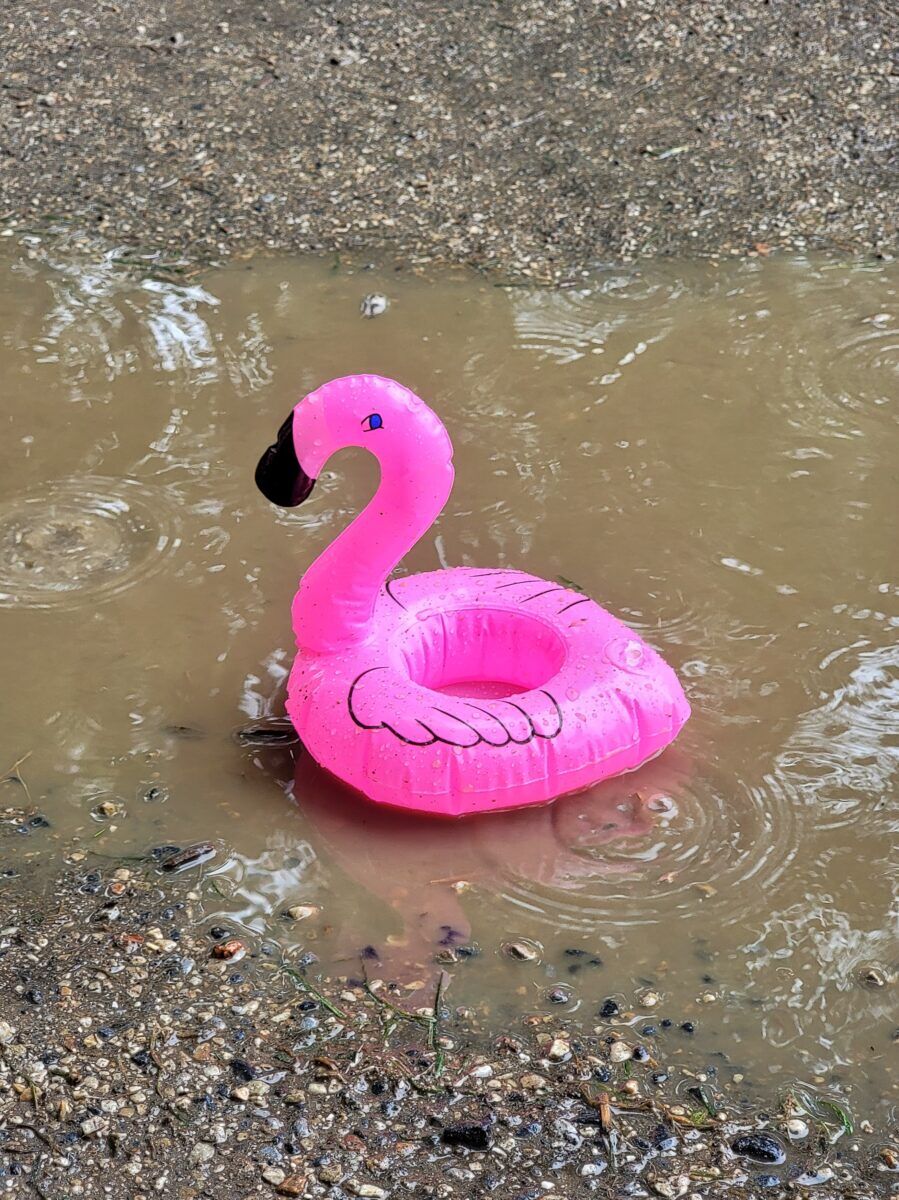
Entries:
{"x":850,"y":367}
{"x":567,"y":326}
{"x":81,"y":539}
{"x":843,"y":756}
{"x":671,"y":849}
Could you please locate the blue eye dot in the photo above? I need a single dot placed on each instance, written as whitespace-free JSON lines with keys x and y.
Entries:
{"x":373,"y":422}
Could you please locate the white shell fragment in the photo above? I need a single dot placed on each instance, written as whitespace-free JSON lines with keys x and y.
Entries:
{"x":374,"y":304}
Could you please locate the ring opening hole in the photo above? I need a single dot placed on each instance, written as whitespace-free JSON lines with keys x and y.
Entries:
{"x":483,"y":653}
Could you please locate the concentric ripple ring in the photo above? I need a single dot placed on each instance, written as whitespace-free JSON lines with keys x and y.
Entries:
{"x":705,"y":836}
{"x":80,"y":540}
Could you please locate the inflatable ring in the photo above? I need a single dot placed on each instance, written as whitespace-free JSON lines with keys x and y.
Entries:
{"x":457,"y":691}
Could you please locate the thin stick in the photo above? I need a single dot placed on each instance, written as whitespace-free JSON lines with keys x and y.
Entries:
{"x":443,"y":982}
{"x":394,"y":1008}
{"x":306,"y":986}
{"x":13,"y":774}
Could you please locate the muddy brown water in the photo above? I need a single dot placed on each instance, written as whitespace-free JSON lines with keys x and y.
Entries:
{"x":710,"y":451}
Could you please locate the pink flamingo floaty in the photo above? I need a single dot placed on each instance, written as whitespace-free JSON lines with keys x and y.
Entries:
{"x":456,"y":691}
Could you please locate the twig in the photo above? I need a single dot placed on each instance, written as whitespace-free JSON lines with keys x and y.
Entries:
{"x":13,"y":776}
{"x":603,"y":1106}
{"x":306,"y":986}
{"x":431,"y":1021}
{"x":38,"y":1134}
{"x":157,"y":1062}
{"x":135,"y":858}
{"x":395,"y":1008}
{"x":443,"y":982}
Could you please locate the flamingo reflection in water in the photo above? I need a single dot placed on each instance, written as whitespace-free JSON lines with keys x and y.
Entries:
{"x":420,"y":867}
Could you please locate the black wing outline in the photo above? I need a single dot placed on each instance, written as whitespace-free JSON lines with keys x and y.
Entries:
{"x":466,"y":745}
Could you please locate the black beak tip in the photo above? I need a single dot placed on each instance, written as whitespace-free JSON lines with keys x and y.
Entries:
{"x":304,"y":485}
{"x":279,"y":475}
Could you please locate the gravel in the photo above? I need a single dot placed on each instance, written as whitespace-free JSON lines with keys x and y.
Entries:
{"x":530,"y":138}
{"x":151,"y":1066}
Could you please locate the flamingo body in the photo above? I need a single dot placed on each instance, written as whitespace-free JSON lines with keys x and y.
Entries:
{"x":456,"y":691}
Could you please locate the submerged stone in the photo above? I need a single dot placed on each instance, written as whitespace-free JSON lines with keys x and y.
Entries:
{"x":520,"y":951}
{"x":190,"y":856}
{"x":760,"y":1147}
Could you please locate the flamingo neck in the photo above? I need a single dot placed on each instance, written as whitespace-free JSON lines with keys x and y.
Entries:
{"x":335,"y":602}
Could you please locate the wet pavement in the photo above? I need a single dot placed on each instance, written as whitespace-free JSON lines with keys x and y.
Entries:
{"x":531,"y":139}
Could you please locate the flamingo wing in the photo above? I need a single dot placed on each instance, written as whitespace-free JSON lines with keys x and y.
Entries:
{"x":381,"y":698}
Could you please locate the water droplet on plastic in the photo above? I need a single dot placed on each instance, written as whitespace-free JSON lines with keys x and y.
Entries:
{"x":627,"y":653}
{"x":633,"y":654}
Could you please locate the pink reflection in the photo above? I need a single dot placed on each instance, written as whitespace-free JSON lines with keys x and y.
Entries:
{"x":420,"y":866}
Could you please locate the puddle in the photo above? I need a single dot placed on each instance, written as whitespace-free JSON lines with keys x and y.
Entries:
{"x":711,"y":453}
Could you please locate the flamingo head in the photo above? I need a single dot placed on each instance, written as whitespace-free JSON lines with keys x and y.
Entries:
{"x":368,"y":411}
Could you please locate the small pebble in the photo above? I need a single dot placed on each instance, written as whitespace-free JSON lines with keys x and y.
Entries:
{"x":94,"y":1125}
{"x":520,"y":951}
{"x":293,"y":1185}
{"x":202,"y":1153}
{"x":559,"y":1049}
{"x":301,"y":912}
{"x":471,"y":1136}
{"x":620,"y":1052}
{"x":815,"y":1178}
{"x":670,"y":1187}
{"x":760,"y":1147}
{"x":873,"y":976}
{"x":374,"y":305}
{"x":368,"y":1191}
{"x":232,"y":950}
{"x":797,"y":1129}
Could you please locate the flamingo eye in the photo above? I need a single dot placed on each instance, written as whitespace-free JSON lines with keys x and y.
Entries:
{"x":373,"y":421}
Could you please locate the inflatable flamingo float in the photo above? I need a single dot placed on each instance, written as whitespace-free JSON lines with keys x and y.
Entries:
{"x":457,"y":691}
